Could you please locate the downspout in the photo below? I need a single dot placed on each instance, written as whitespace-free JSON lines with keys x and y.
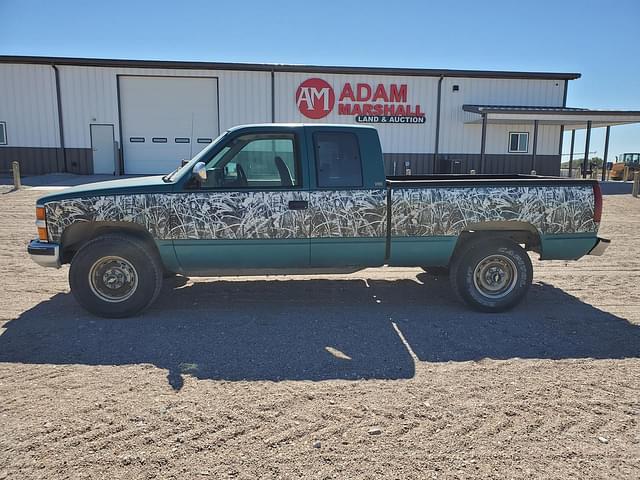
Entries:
{"x":273,"y":96}
{"x":60,"y":123}
{"x":437,"y":145}
{"x":483,"y":143}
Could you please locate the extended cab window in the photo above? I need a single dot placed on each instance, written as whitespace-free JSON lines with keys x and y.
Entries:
{"x":258,"y":160}
{"x":338,"y":160}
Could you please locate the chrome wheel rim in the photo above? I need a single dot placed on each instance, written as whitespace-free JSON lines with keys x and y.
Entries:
{"x":495,"y":276}
{"x":113,"y":279}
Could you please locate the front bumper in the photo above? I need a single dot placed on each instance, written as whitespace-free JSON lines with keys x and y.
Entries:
{"x":44,"y":254}
{"x":600,"y":246}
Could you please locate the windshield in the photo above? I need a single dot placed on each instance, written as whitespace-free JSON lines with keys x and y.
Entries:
{"x":178,"y":172}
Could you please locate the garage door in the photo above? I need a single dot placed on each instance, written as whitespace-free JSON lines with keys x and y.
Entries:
{"x":165,"y":120}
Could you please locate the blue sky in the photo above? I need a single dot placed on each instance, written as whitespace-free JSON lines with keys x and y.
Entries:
{"x":599,"y":39}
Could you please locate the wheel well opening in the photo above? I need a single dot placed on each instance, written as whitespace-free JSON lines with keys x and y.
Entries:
{"x":528,"y":237}
{"x":77,"y":234}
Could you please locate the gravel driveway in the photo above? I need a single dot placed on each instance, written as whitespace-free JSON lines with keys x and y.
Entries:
{"x":379,"y":374}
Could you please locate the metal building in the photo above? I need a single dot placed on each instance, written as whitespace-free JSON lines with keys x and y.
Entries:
{"x":138,"y":117}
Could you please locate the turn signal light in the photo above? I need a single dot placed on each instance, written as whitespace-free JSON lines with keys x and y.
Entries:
{"x":41,"y":224}
{"x":42,"y":234}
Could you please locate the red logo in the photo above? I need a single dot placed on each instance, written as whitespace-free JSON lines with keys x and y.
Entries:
{"x":315,"y":98}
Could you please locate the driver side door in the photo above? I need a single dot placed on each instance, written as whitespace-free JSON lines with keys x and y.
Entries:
{"x":251,"y":212}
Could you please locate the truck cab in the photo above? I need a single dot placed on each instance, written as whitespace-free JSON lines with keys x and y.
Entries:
{"x":273,"y":187}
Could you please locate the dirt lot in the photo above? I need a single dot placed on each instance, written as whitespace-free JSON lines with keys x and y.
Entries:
{"x":234,"y":378}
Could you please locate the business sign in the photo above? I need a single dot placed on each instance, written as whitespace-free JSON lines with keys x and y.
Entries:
{"x":365,"y":102}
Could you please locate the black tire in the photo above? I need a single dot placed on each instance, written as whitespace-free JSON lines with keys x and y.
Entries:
{"x":168,"y":274}
{"x":115,"y":276}
{"x":491,"y":275}
{"x":436,"y":271}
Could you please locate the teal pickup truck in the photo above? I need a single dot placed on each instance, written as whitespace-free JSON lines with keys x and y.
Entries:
{"x":291,"y":198}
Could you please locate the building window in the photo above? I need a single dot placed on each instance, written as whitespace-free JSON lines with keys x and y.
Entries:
{"x":159,"y":139}
{"x":136,"y":139}
{"x":518,"y":142}
{"x":204,"y":140}
{"x":3,"y":133}
{"x":182,"y":140}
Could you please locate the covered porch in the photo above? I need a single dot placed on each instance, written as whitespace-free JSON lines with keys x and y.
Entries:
{"x":565,"y":117}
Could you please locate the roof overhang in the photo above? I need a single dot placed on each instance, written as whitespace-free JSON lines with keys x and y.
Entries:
{"x":266,"y":67}
{"x":571,"y":118}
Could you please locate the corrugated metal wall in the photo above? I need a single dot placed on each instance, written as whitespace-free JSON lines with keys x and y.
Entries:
{"x":28,"y":105}
{"x":459,"y":137}
{"x":90,"y":95}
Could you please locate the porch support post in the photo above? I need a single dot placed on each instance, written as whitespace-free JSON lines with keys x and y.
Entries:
{"x":484,"y":141}
{"x":535,"y":145}
{"x":585,"y":161}
{"x":573,"y":142}
{"x":606,"y":153}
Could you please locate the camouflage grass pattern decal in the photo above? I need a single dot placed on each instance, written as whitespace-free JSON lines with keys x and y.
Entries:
{"x":448,"y":211}
{"x":233,"y":215}
{"x":332,"y":214}
{"x":348,"y":213}
{"x":237,"y":215}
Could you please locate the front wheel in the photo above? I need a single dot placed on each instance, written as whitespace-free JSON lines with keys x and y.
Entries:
{"x":115,"y":276}
{"x":491,"y":275}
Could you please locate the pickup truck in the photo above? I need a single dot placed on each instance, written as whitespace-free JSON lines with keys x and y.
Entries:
{"x":297,"y":198}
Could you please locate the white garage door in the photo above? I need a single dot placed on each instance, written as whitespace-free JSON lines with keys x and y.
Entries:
{"x":165,"y":120}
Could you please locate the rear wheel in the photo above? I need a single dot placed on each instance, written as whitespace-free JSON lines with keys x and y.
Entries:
{"x":491,"y":275}
{"x":115,"y":276}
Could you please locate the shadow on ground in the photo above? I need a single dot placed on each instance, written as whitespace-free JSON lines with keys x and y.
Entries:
{"x":314,"y":330}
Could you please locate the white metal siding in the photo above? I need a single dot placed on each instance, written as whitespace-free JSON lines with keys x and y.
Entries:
{"x":498,"y":138}
{"x":89,"y":95}
{"x":458,"y":137}
{"x":28,"y":105}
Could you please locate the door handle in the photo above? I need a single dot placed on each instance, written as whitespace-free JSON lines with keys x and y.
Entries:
{"x":298,"y":205}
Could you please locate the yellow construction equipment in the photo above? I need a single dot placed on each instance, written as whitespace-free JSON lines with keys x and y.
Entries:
{"x":626,"y":165}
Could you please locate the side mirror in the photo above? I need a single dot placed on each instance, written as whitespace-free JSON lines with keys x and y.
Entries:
{"x":200,"y":171}
{"x":184,"y":161}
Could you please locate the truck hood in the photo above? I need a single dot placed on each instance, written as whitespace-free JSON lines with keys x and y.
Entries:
{"x":152,"y":184}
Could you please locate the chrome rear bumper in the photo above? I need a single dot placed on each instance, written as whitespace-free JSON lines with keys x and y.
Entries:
{"x":44,"y":254}
{"x":600,"y":246}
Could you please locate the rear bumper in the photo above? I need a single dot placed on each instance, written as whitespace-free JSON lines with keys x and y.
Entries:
{"x":44,"y":254}
{"x":600,"y":246}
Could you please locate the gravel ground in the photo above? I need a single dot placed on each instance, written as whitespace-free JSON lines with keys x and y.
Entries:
{"x":379,"y":374}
